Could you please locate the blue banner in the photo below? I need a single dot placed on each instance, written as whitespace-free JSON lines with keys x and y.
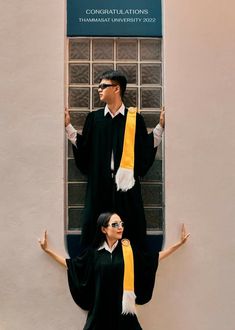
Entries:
{"x":114,"y":18}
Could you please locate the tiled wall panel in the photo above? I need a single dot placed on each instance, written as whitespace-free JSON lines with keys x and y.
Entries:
{"x":141,"y":61}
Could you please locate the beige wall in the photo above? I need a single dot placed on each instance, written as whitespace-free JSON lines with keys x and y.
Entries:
{"x":195,"y":288}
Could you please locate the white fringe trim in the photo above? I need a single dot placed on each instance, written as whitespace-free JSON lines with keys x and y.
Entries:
{"x":128,"y":302}
{"x":124,"y":179}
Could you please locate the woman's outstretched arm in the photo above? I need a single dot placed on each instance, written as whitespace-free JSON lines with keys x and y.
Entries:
{"x":44,"y":245}
{"x":165,"y":253}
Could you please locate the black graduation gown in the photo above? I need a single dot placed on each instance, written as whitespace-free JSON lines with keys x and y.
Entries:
{"x":101,"y":136}
{"x":96,"y":284}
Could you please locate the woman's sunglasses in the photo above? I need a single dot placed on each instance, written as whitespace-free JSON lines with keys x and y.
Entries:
{"x":116,"y":224}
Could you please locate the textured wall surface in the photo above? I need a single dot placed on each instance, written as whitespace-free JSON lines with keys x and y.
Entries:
{"x":33,"y":289}
{"x":195,"y":287}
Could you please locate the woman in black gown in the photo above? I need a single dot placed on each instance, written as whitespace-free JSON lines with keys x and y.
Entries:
{"x":96,"y":277}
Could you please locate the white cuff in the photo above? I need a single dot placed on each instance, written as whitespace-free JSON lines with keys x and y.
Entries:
{"x":157,"y":135}
{"x":71,"y":133}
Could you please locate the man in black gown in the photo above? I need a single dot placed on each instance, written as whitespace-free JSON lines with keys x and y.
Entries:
{"x":98,"y":152}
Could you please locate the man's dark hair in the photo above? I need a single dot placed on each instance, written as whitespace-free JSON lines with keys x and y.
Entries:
{"x":117,"y":77}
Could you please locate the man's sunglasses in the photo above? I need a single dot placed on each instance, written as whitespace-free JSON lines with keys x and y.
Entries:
{"x":103,"y":86}
{"x":116,"y":224}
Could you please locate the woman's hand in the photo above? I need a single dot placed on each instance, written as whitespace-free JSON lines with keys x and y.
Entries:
{"x":184,"y":235}
{"x":44,"y":242}
{"x":44,"y":245}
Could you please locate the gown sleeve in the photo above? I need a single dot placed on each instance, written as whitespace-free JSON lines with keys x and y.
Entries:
{"x":82,"y":149}
{"x":146,"y":265}
{"x":144,"y":148}
{"x":80,"y":279}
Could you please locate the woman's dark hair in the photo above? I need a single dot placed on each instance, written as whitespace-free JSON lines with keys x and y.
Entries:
{"x":102,"y":221}
{"x":117,"y":77}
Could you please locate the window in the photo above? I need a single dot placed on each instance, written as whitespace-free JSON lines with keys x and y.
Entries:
{"x":140,"y":59}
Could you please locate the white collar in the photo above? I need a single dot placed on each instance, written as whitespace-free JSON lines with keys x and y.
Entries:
{"x":120,"y":110}
{"x":107,"y":248}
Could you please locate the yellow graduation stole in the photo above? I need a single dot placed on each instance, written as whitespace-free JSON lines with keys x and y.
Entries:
{"x":125,"y":174}
{"x":128,"y":299}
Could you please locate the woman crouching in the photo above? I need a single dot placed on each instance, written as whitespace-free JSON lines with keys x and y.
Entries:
{"x":112,"y":276}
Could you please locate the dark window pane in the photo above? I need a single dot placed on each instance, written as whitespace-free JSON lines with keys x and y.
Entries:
{"x":76,"y":193}
{"x":127,"y":49}
{"x":75,"y":218}
{"x":152,"y":194}
{"x":150,"y":49}
{"x":70,"y":150}
{"x":79,"y":73}
{"x":154,"y":173}
{"x":150,"y":73}
{"x":102,"y":49}
{"x":130,"y":71}
{"x":74,"y":174}
{"x":131,"y":97}
{"x":154,"y":218}
{"x":150,"y":98}
{"x":79,"y":97}
{"x":98,"y":69}
{"x":79,"y":49}
{"x":151,"y":118}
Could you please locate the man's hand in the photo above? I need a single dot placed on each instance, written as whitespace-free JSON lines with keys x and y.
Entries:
{"x":67,"y":119}
{"x":162,"y":118}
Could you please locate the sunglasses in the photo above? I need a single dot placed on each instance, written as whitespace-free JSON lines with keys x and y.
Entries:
{"x":103,"y":86}
{"x":116,"y":224}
